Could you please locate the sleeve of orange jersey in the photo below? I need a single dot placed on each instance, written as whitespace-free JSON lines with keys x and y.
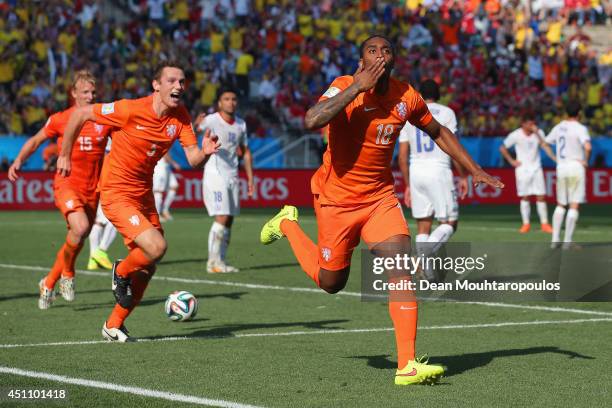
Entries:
{"x":187,"y":136}
{"x":338,"y":85}
{"x":114,"y":114}
{"x":52,"y":126}
{"x":418,"y":111}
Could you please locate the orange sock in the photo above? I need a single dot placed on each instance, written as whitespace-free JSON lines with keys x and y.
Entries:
{"x":304,"y":249}
{"x":140,"y":281}
{"x":71,"y":252}
{"x":403,"y":310}
{"x":56,"y":270}
{"x":135,"y":261}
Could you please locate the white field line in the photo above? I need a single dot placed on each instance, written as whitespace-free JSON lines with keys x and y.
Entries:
{"x":145,"y":392}
{"x":313,"y":290}
{"x":312,"y":332}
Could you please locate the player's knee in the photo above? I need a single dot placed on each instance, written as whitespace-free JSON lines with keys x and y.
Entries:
{"x":333,"y":281}
{"x":156,"y":249}
{"x":455,"y":225}
{"x":80,"y":229}
{"x":332,"y":287}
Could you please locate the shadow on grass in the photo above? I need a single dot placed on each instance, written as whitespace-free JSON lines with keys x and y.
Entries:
{"x":231,"y":330}
{"x":34,"y":295}
{"x":270,"y":266}
{"x":158,"y":300}
{"x":458,"y":364}
{"x":202,"y":261}
{"x":184,"y":261}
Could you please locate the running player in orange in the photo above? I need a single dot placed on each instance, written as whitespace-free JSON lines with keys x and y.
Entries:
{"x":145,"y":129}
{"x":75,"y":196}
{"x":353,"y":189}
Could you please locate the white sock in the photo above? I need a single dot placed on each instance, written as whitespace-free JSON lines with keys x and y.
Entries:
{"x":542,"y":212}
{"x":525,"y":211}
{"x":570,"y":224}
{"x":439,"y":236}
{"x":421,"y":248}
{"x":169,"y":200}
{"x":215,"y":237}
{"x":158,"y":201}
{"x":94,"y":238}
{"x":557,"y":223}
{"x":227,"y":233}
{"x":110,"y":232}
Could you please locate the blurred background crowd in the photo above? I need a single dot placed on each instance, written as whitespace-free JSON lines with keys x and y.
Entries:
{"x":495,"y":59}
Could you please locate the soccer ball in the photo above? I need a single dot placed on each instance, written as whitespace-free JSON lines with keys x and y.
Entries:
{"x":181,"y":306}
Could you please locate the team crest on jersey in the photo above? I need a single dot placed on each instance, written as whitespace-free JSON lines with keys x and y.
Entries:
{"x":108,"y":108}
{"x":326,"y":253}
{"x":171,"y":130}
{"x":134,"y":220}
{"x":402,"y":110}
{"x":232,"y":137}
{"x":99,"y":128}
{"x":70,"y":204}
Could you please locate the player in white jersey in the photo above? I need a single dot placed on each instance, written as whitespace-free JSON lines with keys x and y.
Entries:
{"x":430,"y":188}
{"x":220,"y":181}
{"x":101,"y":237}
{"x":573,"y":147}
{"x":165,"y":182}
{"x":527,"y":141}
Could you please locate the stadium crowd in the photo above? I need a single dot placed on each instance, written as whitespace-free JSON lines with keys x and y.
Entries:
{"x":495,"y":59}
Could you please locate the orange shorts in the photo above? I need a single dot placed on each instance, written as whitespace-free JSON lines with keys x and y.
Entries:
{"x":341,"y":227}
{"x":131,"y":217}
{"x":68,"y":200}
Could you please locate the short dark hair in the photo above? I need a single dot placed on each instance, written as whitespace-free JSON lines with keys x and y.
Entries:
{"x":363,"y":44}
{"x":225,"y":89}
{"x":528,"y":117}
{"x":573,"y":108}
{"x":429,"y":89}
{"x":159,"y":69}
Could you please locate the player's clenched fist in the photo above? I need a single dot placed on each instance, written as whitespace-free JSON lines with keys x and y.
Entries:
{"x":63,"y":166}
{"x":365,"y":78}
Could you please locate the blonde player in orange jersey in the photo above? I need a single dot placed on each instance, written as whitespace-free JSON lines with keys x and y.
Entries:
{"x":353,"y":189}
{"x":75,"y":196}
{"x":145,"y":129}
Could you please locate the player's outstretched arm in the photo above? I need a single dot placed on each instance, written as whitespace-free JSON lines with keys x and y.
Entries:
{"x":451,"y":146}
{"x":77,"y":119}
{"x":26,"y":151}
{"x":363,"y":80}
{"x":198,"y":157}
{"x":248,"y":168}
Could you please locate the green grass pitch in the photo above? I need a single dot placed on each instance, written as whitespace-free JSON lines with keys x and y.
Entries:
{"x":256,"y":342}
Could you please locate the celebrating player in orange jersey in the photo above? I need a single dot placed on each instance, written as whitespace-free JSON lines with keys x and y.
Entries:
{"x":353,"y":189}
{"x":76,"y":195}
{"x":145,"y":129}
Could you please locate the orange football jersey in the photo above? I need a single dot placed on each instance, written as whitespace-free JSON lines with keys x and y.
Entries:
{"x":140,"y":139}
{"x":357,"y":164}
{"x":87,"y":154}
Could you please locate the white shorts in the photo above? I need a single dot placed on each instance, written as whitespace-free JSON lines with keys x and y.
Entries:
{"x":529,"y":181}
{"x":571,"y":183}
{"x":100,"y":217}
{"x":164,"y":179}
{"x":432,"y":192}
{"x":221,"y":196}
